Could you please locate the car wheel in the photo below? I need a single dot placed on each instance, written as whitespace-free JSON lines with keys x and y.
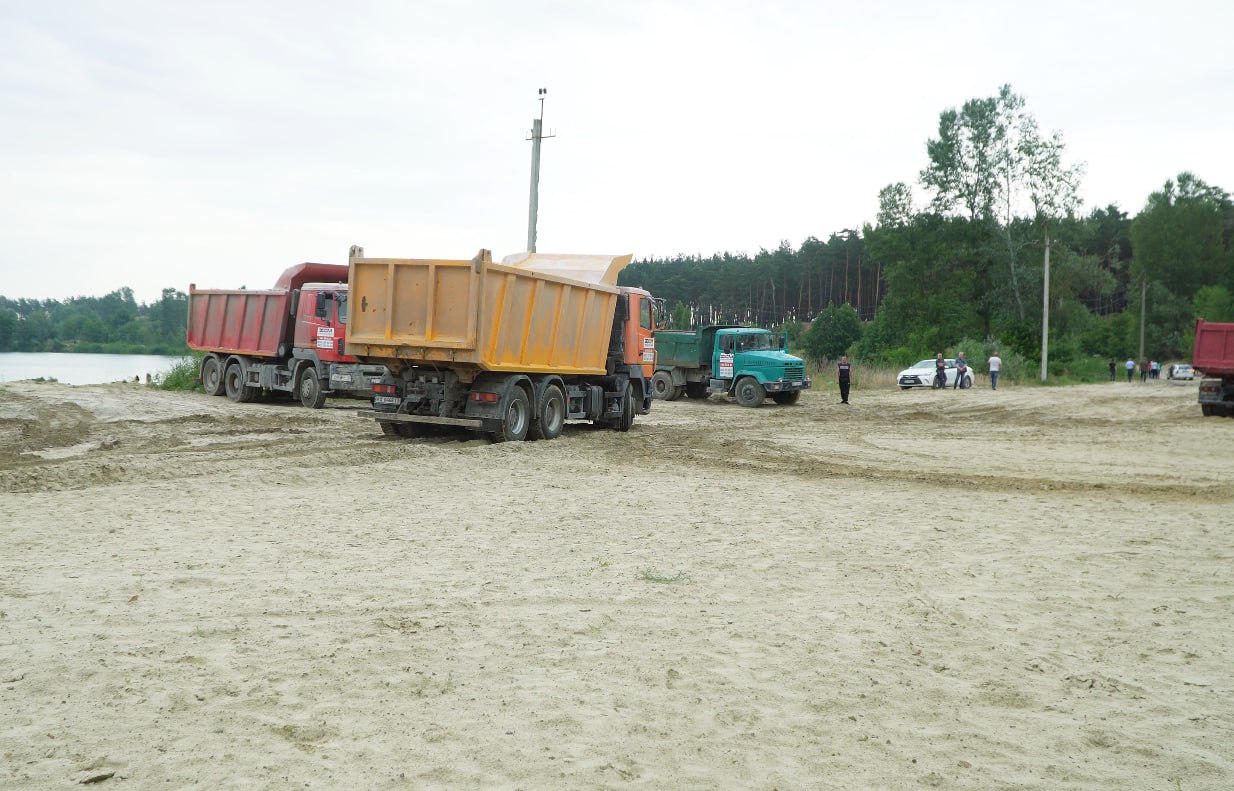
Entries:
{"x":966,"y":383}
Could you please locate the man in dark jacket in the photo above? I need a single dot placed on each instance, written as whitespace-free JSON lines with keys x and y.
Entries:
{"x":844,"y":372}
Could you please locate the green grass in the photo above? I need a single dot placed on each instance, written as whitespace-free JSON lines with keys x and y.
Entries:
{"x":183,"y":375}
{"x":652,"y":574}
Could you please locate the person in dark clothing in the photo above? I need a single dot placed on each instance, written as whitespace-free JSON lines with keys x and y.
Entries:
{"x":940,"y":371}
{"x":1111,"y":369}
{"x":844,"y":371}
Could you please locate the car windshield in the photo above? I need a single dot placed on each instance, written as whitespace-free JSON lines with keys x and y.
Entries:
{"x":930,"y":363}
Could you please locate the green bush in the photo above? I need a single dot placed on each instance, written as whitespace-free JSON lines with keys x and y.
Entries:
{"x":183,"y":375}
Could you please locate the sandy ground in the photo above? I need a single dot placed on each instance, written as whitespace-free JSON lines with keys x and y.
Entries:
{"x":1026,"y":589}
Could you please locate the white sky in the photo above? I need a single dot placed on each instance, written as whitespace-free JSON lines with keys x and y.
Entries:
{"x":154,"y":144}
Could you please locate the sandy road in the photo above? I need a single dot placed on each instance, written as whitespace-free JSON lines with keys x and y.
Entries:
{"x":1022,"y":589}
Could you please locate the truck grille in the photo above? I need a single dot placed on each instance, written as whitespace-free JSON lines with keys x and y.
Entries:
{"x":795,"y":373}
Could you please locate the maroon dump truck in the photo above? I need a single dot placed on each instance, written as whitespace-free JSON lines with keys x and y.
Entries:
{"x":286,"y":339}
{"x":1214,"y":359}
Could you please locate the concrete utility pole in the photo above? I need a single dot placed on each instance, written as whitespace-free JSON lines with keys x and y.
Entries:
{"x":537,"y":129}
{"x":1045,"y":309}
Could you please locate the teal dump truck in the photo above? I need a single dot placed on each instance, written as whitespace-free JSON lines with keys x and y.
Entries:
{"x":747,"y":363}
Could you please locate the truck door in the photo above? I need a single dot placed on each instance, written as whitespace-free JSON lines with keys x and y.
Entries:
{"x":321,"y":323}
{"x":639,"y":336}
{"x":722,"y":359}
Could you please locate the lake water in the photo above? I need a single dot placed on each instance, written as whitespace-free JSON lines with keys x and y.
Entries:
{"x":82,"y":369}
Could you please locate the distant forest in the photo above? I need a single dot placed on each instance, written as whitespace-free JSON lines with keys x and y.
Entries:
{"x":964,"y":269}
{"x":967,"y":268}
{"x":114,"y":324}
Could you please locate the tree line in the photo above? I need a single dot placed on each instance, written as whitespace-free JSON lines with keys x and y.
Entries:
{"x":114,"y":323}
{"x":966,"y":266}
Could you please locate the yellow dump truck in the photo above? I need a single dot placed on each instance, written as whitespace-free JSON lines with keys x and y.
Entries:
{"x":513,"y":349}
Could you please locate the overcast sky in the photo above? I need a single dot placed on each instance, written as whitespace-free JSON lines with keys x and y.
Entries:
{"x":154,"y":144}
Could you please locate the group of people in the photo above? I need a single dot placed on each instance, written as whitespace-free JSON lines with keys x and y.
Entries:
{"x":844,"y":372}
{"x":1149,"y":369}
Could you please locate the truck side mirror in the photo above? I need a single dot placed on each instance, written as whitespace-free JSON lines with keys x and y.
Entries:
{"x":321,"y":305}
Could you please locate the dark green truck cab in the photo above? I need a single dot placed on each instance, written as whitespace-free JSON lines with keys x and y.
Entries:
{"x":748,"y":363}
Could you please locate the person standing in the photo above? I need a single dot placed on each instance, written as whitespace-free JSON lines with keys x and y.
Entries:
{"x":996,"y":365}
{"x":961,"y":371}
{"x":940,"y":371}
{"x":844,"y":373}
{"x":1144,"y":371}
{"x":1111,"y":369}
{"x":1130,"y":366}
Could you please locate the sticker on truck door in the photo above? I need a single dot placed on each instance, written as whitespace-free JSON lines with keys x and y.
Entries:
{"x":325,"y":332}
{"x":325,"y":343}
{"x":726,"y":365}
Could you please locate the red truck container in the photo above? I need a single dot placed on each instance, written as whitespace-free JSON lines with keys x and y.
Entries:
{"x":1213,"y":357}
{"x":289,"y":338}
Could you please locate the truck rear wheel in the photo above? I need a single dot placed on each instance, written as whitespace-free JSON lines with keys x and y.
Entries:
{"x":212,"y":376}
{"x":787,"y":397}
{"x":749,"y":392}
{"x":552,"y":418}
{"x":696,"y":390}
{"x":662,"y":386}
{"x":309,"y":389}
{"x":236,"y":389}
{"x":516,"y":420}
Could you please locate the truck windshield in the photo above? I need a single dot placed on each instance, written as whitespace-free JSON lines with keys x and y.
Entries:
{"x":762,"y":342}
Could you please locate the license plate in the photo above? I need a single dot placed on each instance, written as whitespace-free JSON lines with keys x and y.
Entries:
{"x":382,"y":399}
{"x":345,"y":378}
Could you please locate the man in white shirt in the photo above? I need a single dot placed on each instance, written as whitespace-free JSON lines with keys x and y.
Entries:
{"x":996,"y":365}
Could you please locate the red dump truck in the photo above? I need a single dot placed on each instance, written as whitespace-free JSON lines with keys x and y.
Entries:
{"x":512,"y":349}
{"x":1213,"y":357}
{"x":288,"y":339}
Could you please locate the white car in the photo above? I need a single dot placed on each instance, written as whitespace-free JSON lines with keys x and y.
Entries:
{"x":1180,"y":371}
{"x":922,"y":375}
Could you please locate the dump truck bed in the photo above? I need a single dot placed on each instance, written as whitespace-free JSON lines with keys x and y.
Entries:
{"x":483,"y":315}
{"x":255,"y":323}
{"x":687,"y":348}
{"x":1214,"y":348}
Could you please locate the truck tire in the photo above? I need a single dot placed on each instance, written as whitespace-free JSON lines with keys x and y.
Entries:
{"x":233,"y":384}
{"x":309,"y":388}
{"x":696,"y":390}
{"x":786,"y":398}
{"x":552,"y":417}
{"x":662,"y":386}
{"x":627,"y":412}
{"x":749,"y":392}
{"x":516,"y":419}
{"x":212,"y":376}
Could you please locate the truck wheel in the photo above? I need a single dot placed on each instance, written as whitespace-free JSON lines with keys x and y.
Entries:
{"x":696,"y":390}
{"x":627,"y":412}
{"x":749,"y":392}
{"x":662,"y":386}
{"x":517,"y":418}
{"x":233,"y":384}
{"x":212,"y":376}
{"x":678,"y":392}
{"x":552,"y":417}
{"x":309,"y":389}
{"x":787,"y":398}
